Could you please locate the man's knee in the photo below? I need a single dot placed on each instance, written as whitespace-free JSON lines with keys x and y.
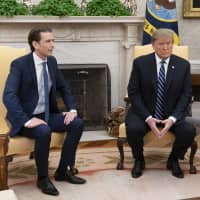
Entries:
{"x":133,"y":128}
{"x":191,"y":132}
{"x":187,"y":133}
{"x":43,"y":131}
{"x":134,"y":132}
{"x":77,"y":123}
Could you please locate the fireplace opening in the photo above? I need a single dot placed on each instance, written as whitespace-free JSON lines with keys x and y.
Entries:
{"x":91,"y":87}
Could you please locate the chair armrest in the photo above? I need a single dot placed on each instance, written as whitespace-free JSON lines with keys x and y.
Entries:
{"x":4,"y":127}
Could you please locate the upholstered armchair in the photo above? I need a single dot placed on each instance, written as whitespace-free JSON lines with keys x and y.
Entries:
{"x":150,"y":138}
{"x":15,"y":145}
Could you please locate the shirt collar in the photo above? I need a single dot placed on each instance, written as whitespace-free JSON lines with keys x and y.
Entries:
{"x":37,"y":59}
{"x":159,"y":60}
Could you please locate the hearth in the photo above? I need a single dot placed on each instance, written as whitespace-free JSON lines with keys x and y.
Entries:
{"x":90,"y":85}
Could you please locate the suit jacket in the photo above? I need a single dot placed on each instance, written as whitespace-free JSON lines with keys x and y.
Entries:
{"x":142,"y":87}
{"x":21,"y":91}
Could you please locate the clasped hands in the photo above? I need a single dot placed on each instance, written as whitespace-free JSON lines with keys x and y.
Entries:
{"x":157,"y":130}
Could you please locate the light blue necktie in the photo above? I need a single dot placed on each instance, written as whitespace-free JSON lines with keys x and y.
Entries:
{"x":160,"y":99}
{"x":46,"y":91}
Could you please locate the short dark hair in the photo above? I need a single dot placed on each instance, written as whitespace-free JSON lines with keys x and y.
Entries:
{"x":34,"y":35}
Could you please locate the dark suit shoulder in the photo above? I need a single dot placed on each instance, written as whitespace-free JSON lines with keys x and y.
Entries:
{"x":23,"y":59}
{"x":51,"y":59}
{"x":144,"y":58}
{"x":179,"y":59}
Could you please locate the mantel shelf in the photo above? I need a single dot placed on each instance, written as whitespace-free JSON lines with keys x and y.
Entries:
{"x":72,"y":19}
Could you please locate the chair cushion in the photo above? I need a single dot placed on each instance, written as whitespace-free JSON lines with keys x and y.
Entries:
{"x":23,"y":145}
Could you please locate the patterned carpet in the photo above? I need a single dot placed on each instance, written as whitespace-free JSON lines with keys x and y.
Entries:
{"x":90,"y":160}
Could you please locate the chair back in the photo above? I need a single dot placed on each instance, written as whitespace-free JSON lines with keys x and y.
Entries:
{"x":181,"y":51}
{"x":7,"y":55}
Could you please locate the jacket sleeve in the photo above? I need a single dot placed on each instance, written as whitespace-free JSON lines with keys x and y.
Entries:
{"x":134,"y":91}
{"x":10,"y":95}
{"x":180,"y":110}
{"x":64,"y":89}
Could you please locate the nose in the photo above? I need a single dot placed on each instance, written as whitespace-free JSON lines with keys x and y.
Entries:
{"x":52,"y":43}
{"x":165,"y":46}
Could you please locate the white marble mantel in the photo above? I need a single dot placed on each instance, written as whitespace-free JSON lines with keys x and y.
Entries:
{"x":72,"y":19}
{"x":85,"y":40}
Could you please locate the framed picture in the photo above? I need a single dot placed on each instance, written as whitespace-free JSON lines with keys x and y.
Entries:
{"x":191,"y":8}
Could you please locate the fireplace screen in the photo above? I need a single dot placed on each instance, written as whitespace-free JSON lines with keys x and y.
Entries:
{"x":90,"y":86}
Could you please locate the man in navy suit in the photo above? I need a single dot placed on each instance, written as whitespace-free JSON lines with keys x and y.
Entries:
{"x":33,"y":111}
{"x":149,"y":111}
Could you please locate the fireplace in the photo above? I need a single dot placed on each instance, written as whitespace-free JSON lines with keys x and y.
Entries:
{"x":91,"y":87}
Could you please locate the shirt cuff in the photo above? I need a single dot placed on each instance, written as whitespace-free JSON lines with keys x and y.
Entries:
{"x":149,"y":117}
{"x":173,"y":119}
{"x":73,"y":110}
{"x":27,"y":123}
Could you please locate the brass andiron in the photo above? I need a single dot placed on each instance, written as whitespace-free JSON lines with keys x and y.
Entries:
{"x":84,"y":74}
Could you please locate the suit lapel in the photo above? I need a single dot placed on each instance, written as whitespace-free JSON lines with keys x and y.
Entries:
{"x":51,"y":73}
{"x":154,"y":72}
{"x":170,"y":72}
{"x":32,"y":70}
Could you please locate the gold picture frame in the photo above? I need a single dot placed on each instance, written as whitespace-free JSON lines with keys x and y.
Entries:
{"x":191,"y":9}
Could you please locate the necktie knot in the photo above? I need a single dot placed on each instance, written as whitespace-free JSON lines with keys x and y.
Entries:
{"x":44,"y":64}
{"x":162,"y":62}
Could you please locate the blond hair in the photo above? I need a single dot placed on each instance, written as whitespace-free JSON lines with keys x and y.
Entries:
{"x":162,"y":32}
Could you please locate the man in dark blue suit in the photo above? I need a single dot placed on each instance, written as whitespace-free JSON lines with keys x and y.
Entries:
{"x":30,"y":99}
{"x":160,"y":91}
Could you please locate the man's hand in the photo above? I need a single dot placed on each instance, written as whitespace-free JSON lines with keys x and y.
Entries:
{"x":69,"y":117}
{"x":152,"y":124}
{"x":35,"y":122}
{"x":167,"y":125}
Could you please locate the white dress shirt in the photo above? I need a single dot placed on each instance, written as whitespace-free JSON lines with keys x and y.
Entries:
{"x":158,"y":65}
{"x":40,"y":108}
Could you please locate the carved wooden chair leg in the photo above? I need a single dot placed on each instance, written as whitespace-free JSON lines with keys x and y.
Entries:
{"x":192,"y":154}
{"x":32,"y":155}
{"x":120,"y":145}
{"x":9,"y":158}
{"x":3,"y":162}
{"x":3,"y":173}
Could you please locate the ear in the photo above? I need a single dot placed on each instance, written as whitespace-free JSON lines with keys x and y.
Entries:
{"x":35,"y":44}
{"x":153,"y":46}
